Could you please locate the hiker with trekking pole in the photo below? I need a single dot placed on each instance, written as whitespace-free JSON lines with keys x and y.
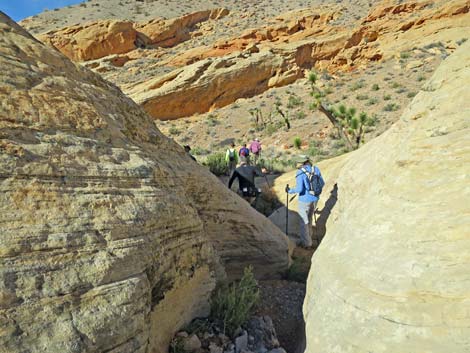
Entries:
{"x":309,"y":184}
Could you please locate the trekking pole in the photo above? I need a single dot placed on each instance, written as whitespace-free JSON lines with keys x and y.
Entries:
{"x":287,"y":210}
{"x":315,"y":218}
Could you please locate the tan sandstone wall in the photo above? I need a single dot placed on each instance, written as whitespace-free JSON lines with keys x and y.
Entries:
{"x":393,"y":272}
{"x":111,"y":237}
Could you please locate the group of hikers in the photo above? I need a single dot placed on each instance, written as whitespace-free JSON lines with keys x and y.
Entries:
{"x":248,"y":154}
{"x":308,"y":183}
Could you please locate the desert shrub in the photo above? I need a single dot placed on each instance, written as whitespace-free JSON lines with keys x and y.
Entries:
{"x":300,"y":115}
{"x":173,"y":130}
{"x":395,"y":85}
{"x":372,"y":101}
{"x":420,"y":78}
{"x":387,"y":97}
{"x":294,"y":101}
{"x":362,"y":97}
{"x":276,"y":165}
{"x":411,"y":94}
{"x":216,"y":163}
{"x":401,"y":90}
{"x":391,"y":107}
{"x":375,"y":87}
{"x":198,"y":151}
{"x":233,"y":304}
{"x":297,"y":142}
{"x":313,"y":148}
{"x":461,"y":41}
{"x":356,"y":86}
{"x":212,"y":120}
{"x":298,"y":271}
{"x":405,"y":55}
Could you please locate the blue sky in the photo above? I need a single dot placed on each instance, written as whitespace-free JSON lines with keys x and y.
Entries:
{"x":19,"y":9}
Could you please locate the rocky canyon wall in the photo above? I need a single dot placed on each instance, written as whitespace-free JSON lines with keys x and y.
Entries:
{"x":392,"y":273}
{"x":111,"y":237}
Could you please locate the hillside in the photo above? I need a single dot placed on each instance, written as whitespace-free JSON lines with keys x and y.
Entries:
{"x":205,"y":67}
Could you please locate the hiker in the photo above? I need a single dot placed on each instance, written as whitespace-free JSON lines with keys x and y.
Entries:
{"x":308,"y":184}
{"x":244,"y":152}
{"x":255,"y":149}
{"x":187,"y":149}
{"x":245,"y":174}
{"x":231,"y":157}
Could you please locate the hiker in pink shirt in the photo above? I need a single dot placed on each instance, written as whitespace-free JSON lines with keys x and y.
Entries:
{"x":255,"y":148}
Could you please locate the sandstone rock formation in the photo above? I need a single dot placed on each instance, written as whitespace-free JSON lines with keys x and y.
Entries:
{"x":212,"y":83}
{"x":98,"y":39}
{"x":93,"y":40}
{"x":392,"y":273}
{"x":168,"y":33}
{"x":231,"y":67}
{"x":108,"y":242}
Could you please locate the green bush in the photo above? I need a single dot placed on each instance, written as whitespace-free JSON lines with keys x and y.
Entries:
{"x":294,"y":101}
{"x":420,"y":78}
{"x":313,"y":148}
{"x":297,"y":142}
{"x":216,"y":163}
{"x":300,"y":115}
{"x":356,"y":86}
{"x":375,"y":87}
{"x":212,"y":120}
{"x":405,"y":55}
{"x":298,"y":271}
{"x":411,"y":94}
{"x":391,"y":107}
{"x":174,"y":130}
{"x":198,"y":151}
{"x":387,"y":97}
{"x":362,"y":97}
{"x":372,"y":101}
{"x":233,"y":304}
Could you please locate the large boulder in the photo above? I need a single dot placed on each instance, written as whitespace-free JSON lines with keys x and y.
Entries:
{"x":392,"y":273}
{"x":112,"y":238}
{"x":93,"y":40}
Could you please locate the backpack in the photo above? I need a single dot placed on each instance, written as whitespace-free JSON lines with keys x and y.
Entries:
{"x":244,"y":152}
{"x":315,"y":181}
{"x":231,"y":154}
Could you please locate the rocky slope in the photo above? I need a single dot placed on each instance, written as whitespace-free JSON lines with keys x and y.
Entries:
{"x":254,"y":60}
{"x":108,"y":243}
{"x":391,"y":274}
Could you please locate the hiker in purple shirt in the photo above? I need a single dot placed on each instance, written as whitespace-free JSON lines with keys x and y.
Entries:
{"x":255,"y":148}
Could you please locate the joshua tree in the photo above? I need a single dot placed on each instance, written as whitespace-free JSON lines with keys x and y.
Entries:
{"x":257,"y":115}
{"x":349,"y":127}
{"x":285,"y":116}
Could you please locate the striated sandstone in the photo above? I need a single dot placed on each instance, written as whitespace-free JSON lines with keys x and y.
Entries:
{"x":102,"y":38}
{"x":391,"y":274}
{"x":211,"y":83}
{"x":108,"y":243}
{"x":93,"y":40}
{"x":168,"y":33}
{"x":212,"y":77}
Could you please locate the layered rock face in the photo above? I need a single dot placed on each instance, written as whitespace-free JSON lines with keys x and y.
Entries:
{"x":112,"y":238}
{"x":98,"y":39}
{"x":392,"y":273}
{"x":256,"y":59}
